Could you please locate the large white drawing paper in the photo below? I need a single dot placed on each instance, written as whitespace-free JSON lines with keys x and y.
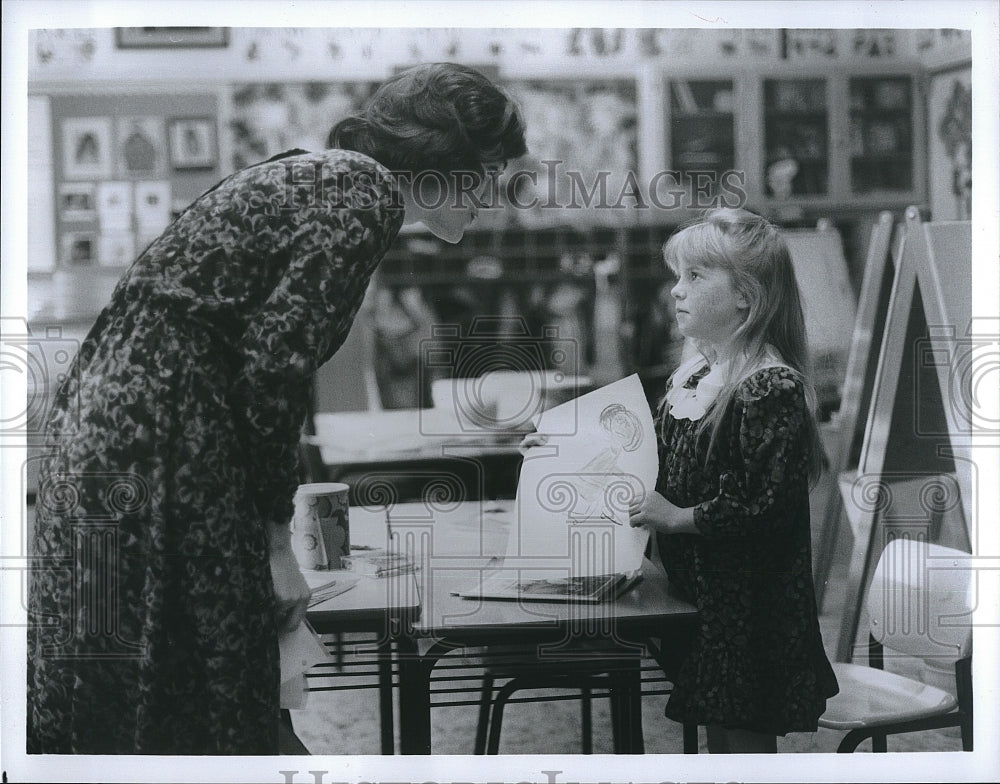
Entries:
{"x":574,"y":492}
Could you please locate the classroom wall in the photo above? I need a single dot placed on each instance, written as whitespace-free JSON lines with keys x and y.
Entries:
{"x":276,"y":54}
{"x":615,"y":99}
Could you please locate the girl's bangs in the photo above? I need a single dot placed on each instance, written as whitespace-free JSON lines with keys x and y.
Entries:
{"x":701,"y":243}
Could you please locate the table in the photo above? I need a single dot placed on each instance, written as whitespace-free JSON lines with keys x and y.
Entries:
{"x":407,"y":453}
{"x":380,"y":606}
{"x":454,"y":544}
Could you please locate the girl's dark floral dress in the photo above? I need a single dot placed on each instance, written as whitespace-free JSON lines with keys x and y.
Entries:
{"x":175,"y":443}
{"x":756,"y":659}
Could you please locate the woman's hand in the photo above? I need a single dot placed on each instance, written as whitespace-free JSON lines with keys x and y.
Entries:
{"x":532,"y":440}
{"x":658,"y":514}
{"x":291,"y":591}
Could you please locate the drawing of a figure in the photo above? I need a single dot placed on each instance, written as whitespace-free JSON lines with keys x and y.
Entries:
{"x":140,"y":152}
{"x":955,"y":130}
{"x":623,"y":433}
{"x":87,"y":149}
{"x":192,"y":143}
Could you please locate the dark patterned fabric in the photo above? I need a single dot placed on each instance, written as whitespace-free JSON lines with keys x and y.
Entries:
{"x":757,"y":659}
{"x":176,"y":439}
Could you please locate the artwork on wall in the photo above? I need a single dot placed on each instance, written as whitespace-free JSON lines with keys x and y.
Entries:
{"x":582,"y":141}
{"x":141,"y":146}
{"x":192,"y":143}
{"x":86,"y":143}
{"x":270,"y":118}
{"x":809,"y":44}
{"x":79,"y":248}
{"x":170,"y":37}
{"x":76,"y":201}
{"x":947,"y":40}
{"x":117,"y":249}
{"x":949,"y":138}
{"x":152,"y":206}
{"x":114,"y":206}
{"x":874,"y":43}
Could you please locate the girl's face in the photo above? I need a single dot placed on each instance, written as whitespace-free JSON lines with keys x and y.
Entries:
{"x":708,"y":307}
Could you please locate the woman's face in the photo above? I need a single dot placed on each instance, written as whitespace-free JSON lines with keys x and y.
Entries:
{"x":446,"y":204}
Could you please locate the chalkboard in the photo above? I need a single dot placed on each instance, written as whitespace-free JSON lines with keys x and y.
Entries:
{"x":914,"y":475}
{"x":859,"y":382}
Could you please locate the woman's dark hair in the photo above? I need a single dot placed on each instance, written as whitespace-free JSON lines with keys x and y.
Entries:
{"x":438,"y":116}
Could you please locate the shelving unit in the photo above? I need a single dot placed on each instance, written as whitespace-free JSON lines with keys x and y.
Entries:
{"x":881,"y":134}
{"x":855,"y":143}
{"x":796,"y":137}
{"x":702,"y":126}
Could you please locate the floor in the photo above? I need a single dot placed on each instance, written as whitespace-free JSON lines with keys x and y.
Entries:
{"x":345,"y":722}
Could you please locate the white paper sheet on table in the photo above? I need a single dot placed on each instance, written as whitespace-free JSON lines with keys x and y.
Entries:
{"x":574,"y":492}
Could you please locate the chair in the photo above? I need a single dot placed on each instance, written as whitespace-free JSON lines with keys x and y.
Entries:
{"x":919,"y":604}
{"x":618,"y":671}
{"x":624,"y":673}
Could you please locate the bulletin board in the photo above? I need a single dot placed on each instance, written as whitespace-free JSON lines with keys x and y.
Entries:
{"x":268,"y":118}
{"x":590,"y":128}
{"x":123,"y":165}
{"x":915,"y":471}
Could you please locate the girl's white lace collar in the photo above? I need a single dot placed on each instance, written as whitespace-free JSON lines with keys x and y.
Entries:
{"x":693,"y":404}
{"x":685,"y":403}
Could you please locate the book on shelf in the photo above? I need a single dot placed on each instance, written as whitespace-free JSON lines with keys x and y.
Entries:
{"x":589,"y":588}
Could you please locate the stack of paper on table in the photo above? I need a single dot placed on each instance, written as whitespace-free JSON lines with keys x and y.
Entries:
{"x":327,"y":584}
{"x":378,"y":562}
{"x":594,"y":588}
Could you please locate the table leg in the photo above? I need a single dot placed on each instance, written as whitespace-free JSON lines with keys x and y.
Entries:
{"x":386,"y":735}
{"x":626,"y":709}
{"x":634,"y":709}
{"x":414,"y":699}
{"x":690,"y":738}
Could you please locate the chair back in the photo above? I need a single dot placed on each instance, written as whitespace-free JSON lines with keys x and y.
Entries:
{"x":921,"y":599}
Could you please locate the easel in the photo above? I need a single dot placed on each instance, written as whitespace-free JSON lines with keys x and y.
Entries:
{"x":828,"y":301}
{"x":914,"y":474}
{"x":859,"y":382}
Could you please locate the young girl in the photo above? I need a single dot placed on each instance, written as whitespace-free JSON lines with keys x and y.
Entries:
{"x":738,"y":448}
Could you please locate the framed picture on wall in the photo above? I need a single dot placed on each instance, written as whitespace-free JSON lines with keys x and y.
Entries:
{"x":949,"y":141}
{"x":141,"y":147}
{"x":86,"y":143}
{"x":192,"y":143}
{"x":117,"y":249}
{"x":79,"y":248}
{"x":114,"y":205}
{"x":152,"y":206}
{"x":76,"y":201}
{"x":170,"y":37}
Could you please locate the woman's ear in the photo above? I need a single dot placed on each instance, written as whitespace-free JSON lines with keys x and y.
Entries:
{"x":741,"y":301}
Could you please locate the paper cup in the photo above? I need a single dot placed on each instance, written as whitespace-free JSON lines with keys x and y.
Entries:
{"x":321,"y":526}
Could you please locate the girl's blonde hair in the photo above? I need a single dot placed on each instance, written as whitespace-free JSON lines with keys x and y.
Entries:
{"x":751,"y":250}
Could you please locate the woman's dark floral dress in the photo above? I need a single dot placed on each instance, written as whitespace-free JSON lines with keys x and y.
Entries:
{"x":176,"y":442}
{"x":756,"y":659}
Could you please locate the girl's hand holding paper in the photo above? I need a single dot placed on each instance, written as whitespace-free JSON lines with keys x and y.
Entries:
{"x":657,"y":513}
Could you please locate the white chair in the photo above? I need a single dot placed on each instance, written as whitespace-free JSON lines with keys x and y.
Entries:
{"x":919,"y":603}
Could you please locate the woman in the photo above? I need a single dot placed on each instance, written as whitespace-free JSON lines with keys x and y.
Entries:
{"x":162,"y":520}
